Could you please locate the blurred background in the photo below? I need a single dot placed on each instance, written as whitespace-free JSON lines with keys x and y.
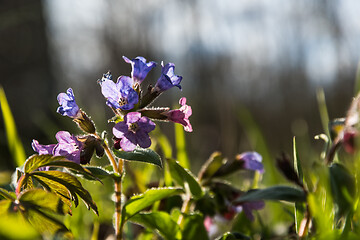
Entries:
{"x":251,"y":64}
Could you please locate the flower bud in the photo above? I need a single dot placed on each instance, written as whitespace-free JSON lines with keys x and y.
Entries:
{"x":85,"y":123}
{"x":91,"y":144}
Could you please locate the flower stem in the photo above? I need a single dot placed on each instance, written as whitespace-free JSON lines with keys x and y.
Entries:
{"x":119,"y":170}
{"x":185,"y":209}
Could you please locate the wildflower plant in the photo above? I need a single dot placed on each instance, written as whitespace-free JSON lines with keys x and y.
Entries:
{"x":181,"y":204}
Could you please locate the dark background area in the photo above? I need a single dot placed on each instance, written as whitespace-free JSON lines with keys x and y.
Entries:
{"x":268,"y":57}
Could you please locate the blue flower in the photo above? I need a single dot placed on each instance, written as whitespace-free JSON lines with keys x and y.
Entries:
{"x":68,"y":105}
{"x":134,"y":131}
{"x":139,"y":68}
{"x":251,"y":161}
{"x":121,"y":94}
{"x":168,"y":79}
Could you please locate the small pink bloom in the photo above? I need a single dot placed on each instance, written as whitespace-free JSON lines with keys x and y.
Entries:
{"x":349,"y":141}
{"x":181,"y":115}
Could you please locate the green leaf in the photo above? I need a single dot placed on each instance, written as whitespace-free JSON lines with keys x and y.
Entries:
{"x":140,"y":202}
{"x":70,"y":182}
{"x":300,"y":209}
{"x":13,"y":139}
{"x":211,"y":166}
{"x":57,"y":188}
{"x":194,"y":227}
{"x":342,"y":188}
{"x":233,"y":236}
{"x":182,"y":175}
{"x":35,"y":161}
{"x":277,"y":193}
{"x":99,"y":172}
{"x":5,"y":206}
{"x":73,"y":167}
{"x":7,"y":195}
{"x":161,"y":222}
{"x":44,"y":200}
{"x":297,"y":164}
{"x":140,"y":154}
{"x":299,"y":206}
{"x":46,"y":224}
{"x":180,"y":142}
{"x":14,"y":226}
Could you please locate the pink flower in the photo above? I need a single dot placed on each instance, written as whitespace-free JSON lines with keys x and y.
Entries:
{"x":181,"y":115}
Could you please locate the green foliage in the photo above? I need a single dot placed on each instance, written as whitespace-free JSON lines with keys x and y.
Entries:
{"x":194,"y":226}
{"x":211,"y":166}
{"x":64,"y":184}
{"x":142,"y":201}
{"x":37,"y":207}
{"x":180,"y":142}
{"x":342,"y":188}
{"x":276,"y":193}
{"x":160,"y":222}
{"x":141,"y":155}
{"x":14,"y":226}
{"x":182,"y":176}
{"x":14,"y":142}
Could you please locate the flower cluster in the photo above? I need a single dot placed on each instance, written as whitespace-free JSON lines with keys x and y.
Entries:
{"x":128,"y":102}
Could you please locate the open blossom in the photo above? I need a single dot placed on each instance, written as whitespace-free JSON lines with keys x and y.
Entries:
{"x":68,"y":106}
{"x":134,"y":131}
{"x":139,"y":68}
{"x":251,"y":161}
{"x":181,"y":115}
{"x":168,"y":79}
{"x":119,"y":95}
{"x":68,"y":146}
{"x":42,"y":149}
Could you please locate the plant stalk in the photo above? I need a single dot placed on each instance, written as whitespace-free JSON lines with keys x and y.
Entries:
{"x":118,"y":169}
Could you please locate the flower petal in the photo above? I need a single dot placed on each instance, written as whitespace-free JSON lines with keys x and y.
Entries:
{"x":109,"y":90}
{"x":127,"y":145}
{"x":146,"y":125}
{"x":119,"y":129}
{"x":143,"y":139}
{"x":252,"y":161}
{"x":68,"y":105}
{"x":132,"y":117}
{"x":140,"y":68}
{"x":42,"y":149}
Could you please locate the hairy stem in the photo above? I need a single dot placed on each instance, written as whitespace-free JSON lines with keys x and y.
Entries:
{"x":118,"y":169}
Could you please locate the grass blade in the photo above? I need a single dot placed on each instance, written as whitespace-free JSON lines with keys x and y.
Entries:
{"x":15,"y":146}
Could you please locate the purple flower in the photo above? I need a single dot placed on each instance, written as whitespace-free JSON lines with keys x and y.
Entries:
{"x":181,"y":115}
{"x":248,"y":207}
{"x":139,"y":68}
{"x":42,"y":149}
{"x":168,"y":79}
{"x":251,"y":161}
{"x":68,"y":105}
{"x":121,"y":94}
{"x":134,"y":131}
{"x":68,"y":146}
